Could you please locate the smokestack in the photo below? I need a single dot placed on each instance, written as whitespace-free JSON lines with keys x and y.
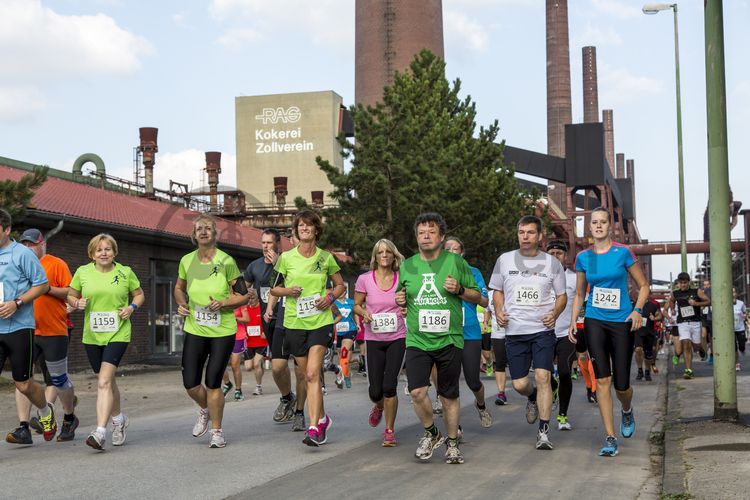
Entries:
{"x":620,"y":162}
{"x":590,"y":86}
{"x":388,"y":34}
{"x":213,"y":169}
{"x":559,"y":112}
{"x":609,"y":139}
{"x":148,"y":149}
{"x":631,"y":176}
{"x":317,"y":199}
{"x":280,"y":191}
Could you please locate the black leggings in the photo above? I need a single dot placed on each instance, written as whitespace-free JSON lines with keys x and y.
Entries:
{"x":470,"y":360}
{"x":739,"y":341}
{"x":608,"y":339}
{"x":384,"y":361}
{"x":565,"y":351}
{"x":196,"y":350}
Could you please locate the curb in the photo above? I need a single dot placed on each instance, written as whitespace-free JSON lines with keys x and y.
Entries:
{"x":673,"y":470}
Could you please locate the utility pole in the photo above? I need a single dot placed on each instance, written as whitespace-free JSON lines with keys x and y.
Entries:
{"x":725,"y":378}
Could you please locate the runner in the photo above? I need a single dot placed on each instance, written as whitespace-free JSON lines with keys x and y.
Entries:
{"x":706,"y":330}
{"x":256,"y":345}
{"x":302,"y":273}
{"x":238,"y":353}
{"x":346,"y":331}
{"x":209,"y":287}
{"x":108,"y":293}
{"x":644,"y":339}
{"x":529,"y":295}
{"x":471,"y":355}
{"x":740,"y":318}
{"x":498,"y":350}
{"x":51,"y":337}
{"x":610,"y":321}
{"x":22,"y":280}
{"x":688,"y":303}
{"x":432,"y":285}
{"x":259,"y":273}
{"x":564,"y":348}
{"x":385,"y":333}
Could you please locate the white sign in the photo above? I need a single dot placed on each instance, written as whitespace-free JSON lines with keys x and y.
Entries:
{"x":104,"y":322}
{"x":206,"y":317}
{"x":434,"y":320}
{"x":383,"y":323}
{"x":306,"y":306}
{"x":606,"y":298}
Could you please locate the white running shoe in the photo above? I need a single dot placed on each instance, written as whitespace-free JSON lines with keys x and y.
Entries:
{"x":217,"y":439}
{"x":119,"y":431}
{"x":201,"y":425}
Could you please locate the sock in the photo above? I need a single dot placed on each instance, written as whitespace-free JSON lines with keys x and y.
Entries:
{"x":299,"y":412}
{"x":452,"y":441}
{"x":102,"y":431}
{"x":482,"y":406}
{"x":628,"y":412}
{"x":25,"y":425}
{"x":433,"y":430}
{"x":323,"y":421}
{"x":118,"y":419}
{"x":502,"y":392}
{"x":44,"y":412}
{"x":69,"y":417}
{"x":532,"y":396}
{"x":313,"y":427}
{"x":543,"y":425}
{"x":288,"y":397}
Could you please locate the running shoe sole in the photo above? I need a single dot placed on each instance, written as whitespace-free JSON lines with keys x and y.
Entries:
{"x":94,"y":443}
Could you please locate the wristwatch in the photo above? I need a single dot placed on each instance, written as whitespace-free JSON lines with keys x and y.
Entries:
{"x":19,"y":303}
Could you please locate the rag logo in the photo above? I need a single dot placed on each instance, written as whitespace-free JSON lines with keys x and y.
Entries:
{"x":292,"y":114}
{"x":429,"y":293}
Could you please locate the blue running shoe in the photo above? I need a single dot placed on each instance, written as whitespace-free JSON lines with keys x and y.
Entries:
{"x":627,"y":425}
{"x":610,"y":447}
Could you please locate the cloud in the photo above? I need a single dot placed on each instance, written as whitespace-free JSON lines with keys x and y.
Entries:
{"x":324,"y":22}
{"x":37,"y":43}
{"x":188,"y":167}
{"x":463,"y":31}
{"x":619,"y":86}
{"x":598,"y":36}
{"x":17,"y":103}
{"x":617,"y":9}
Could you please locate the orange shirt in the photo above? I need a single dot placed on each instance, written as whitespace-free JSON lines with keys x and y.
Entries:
{"x":49,"y":313}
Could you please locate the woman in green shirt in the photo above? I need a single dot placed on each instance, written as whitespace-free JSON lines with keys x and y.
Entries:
{"x":101,"y":290}
{"x":204,"y":295}
{"x":302,"y":273}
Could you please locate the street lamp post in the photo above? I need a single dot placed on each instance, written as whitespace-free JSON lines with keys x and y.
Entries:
{"x":655,"y":8}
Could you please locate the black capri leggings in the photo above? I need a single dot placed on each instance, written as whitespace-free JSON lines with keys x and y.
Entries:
{"x":605,"y":340}
{"x":471,"y":357}
{"x":565,"y":351}
{"x":384,"y":361}
{"x":501,"y":356}
{"x":196,"y":350}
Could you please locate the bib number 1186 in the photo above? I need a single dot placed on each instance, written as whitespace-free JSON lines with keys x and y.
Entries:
{"x":434,"y":321}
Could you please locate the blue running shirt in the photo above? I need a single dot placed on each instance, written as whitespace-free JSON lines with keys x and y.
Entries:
{"x":607,"y":276}
{"x":472,"y":330}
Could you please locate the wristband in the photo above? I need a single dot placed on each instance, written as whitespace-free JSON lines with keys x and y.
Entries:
{"x":133,"y":306}
{"x":331,"y":298}
{"x":461,"y":290}
{"x":638,"y":310}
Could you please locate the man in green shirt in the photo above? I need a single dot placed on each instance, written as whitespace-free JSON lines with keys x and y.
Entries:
{"x":431,"y":286}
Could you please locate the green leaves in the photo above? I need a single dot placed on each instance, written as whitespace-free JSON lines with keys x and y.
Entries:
{"x":419,"y":150}
{"x":16,"y":196}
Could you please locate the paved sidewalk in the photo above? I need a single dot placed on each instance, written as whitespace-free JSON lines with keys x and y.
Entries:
{"x":703,"y":458}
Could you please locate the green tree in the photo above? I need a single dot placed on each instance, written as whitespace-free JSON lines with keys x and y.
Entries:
{"x":418,"y":151}
{"x":15,"y":196}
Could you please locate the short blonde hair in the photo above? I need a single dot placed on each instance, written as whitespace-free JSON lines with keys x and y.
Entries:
{"x":94,"y":243}
{"x":202,"y":218}
{"x":398,"y":259}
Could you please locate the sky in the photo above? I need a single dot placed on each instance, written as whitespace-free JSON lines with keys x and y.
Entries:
{"x":81,"y":76}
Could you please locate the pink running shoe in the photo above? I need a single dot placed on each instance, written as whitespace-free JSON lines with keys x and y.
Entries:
{"x":376,"y":415}
{"x":389,"y":438}
{"x":312,"y":437}
{"x":324,"y":425}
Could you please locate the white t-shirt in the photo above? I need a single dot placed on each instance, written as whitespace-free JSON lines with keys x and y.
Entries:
{"x":563,"y":321}
{"x":531,"y":285}
{"x":498,"y":332}
{"x":739,"y":316}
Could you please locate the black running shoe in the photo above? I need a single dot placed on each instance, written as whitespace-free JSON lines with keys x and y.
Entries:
{"x":21,"y":435}
{"x":68,"y":431}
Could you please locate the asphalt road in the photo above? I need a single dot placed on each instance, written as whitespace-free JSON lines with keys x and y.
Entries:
{"x":161,"y":459}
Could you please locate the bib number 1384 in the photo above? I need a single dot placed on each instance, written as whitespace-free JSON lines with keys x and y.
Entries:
{"x":434,"y":321}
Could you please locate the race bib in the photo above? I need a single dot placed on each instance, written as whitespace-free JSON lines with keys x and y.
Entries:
{"x":306,"y":306}
{"x":434,"y":321}
{"x":687,"y":311}
{"x":253,"y":331}
{"x":265,"y":291}
{"x":644,"y":322}
{"x":384,"y":323}
{"x":206,"y":317}
{"x":342,"y":326}
{"x":480,"y":318}
{"x":528,"y":295}
{"x":104,"y":322}
{"x":606,"y":298}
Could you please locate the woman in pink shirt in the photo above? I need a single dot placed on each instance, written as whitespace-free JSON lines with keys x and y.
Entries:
{"x":385,"y":333}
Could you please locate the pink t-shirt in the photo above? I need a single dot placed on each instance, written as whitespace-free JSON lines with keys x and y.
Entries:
{"x":241,"y":327}
{"x":383,"y":303}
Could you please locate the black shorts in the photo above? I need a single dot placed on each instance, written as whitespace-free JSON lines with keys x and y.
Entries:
{"x":196,"y":351}
{"x":447,"y":360}
{"x":50,"y":349}
{"x":581,"y":346}
{"x":111,"y":353}
{"x":250,"y":352}
{"x":501,"y":356}
{"x":298,"y":342}
{"x":18,"y":347}
{"x":276,"y":344}
{"x":340,"y":338}
{"x":673,"y":331}
{"x":643,"y":339}
{"x":611,"y":350}
{"x":486,"y":342}
{"x":523,"y":349}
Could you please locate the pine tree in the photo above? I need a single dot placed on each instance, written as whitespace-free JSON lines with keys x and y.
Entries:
{"x":15,"y":196}
{"x":417,"y":151}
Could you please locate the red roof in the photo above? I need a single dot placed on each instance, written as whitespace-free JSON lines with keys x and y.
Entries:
{"x":82,"y":201}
